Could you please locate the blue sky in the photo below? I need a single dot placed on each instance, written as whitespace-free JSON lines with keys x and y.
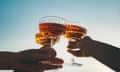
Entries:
{"x":19,"y":20}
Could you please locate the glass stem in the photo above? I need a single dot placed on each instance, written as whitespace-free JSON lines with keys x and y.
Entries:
{"x":51,"y":43}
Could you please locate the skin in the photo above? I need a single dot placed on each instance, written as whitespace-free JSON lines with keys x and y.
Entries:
{"x":105,"y":53}
{"x":30,"y":60}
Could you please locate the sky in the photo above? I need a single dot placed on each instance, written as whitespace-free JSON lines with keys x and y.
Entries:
{"x":19,"y":20}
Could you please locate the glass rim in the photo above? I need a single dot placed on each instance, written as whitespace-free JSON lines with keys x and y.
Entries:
{"x":41,"y":20}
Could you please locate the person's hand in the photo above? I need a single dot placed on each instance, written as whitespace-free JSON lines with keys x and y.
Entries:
{"x":103,"y":52}
{"x":37,"y":60}
{"x":80,"y":48}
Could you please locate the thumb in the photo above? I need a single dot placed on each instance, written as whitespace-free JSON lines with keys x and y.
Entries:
{"x":76,"y":53}
{"x":49,"y":52}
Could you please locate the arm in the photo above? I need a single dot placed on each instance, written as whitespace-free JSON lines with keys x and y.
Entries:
{"x":105,"y":53}
{"x":30,"y":60}
{"x":7,"y":60}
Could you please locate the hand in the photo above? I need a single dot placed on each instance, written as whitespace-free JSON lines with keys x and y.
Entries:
{"x":31,"y":60}
{"x":81,"y":47}
{"x":103,"y":52}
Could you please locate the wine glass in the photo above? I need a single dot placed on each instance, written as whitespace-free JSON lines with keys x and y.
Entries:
{"x":74,"y":32}
{"x":50,"y":30}
{"x":51,"y":27}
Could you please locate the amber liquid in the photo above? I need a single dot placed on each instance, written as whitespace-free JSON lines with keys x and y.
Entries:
{"x":51,"y":29}
{"x":74,"y":32}
{"x":42,"y":40}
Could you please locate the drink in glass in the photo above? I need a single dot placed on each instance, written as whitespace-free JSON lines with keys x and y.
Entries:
{"x":50,"y":30}
{"x":74,"y":32}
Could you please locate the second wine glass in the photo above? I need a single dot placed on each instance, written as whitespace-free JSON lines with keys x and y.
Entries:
{"x":74,"y":31}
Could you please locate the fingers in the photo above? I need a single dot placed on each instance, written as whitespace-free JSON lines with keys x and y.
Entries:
{"x":49,"y":52}
{"x":42,"y":53}
{"x":51,"y":66}
{"x":38,"y":68}
{"x":56,"y":61}
{"x":30,"y":57}
{"x":76,"y":53}
{"x":79,"y":43}
{"x":73,"y":44}
{"x":52,"y":63}
{"x":46,"y":66}
{"x":84,"y":46}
